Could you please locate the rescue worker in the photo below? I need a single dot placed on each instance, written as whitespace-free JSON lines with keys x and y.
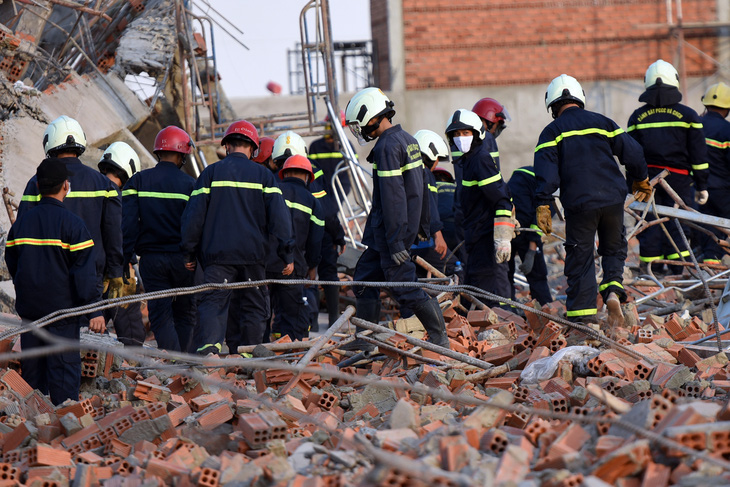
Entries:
{"x":395,"y":220}
{"x":672,"y":138}
{"x":287,"y":301}
{"x":265,"y":149}
{"x":576,"y":153}
{"x":434,"y":250}
{"x":234,"y":207}
{"x":717,"y":137}
{"x":94,"y":199}
{"x":118,"y":163}
{"x":488,"y":223}
{"x":528,"y":245}
{"x":50,"y":256}
{"x":153,"y":204}
{"x":494,"y":117}
{"x":326,"y":156}
{"x":446,"y":187}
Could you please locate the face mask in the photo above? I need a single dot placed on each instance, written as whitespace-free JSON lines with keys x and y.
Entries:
{"x":463,"y":143}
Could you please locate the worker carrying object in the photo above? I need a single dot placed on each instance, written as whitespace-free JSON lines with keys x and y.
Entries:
{"x":396,"y":219}
{"x":672,"y":138}
{"x":575,"y":153}
{"x":234,"y":207}
{"x":49,"y":253}
{"x":488,"y":220}
{"x":93,"y":198}
{"x":291,"y":316}
{"x":153,"y":204}
{"x":717,"y":138}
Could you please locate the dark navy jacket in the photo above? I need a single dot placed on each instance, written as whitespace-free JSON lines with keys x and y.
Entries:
{"x":717,"y":138}
{"x":50,"y":255}
{"x":96,"y":200}
{"x":153,"y":202}
{"x":433,"y":201}
{"x":321,"y":191}
{"x":307,"y":228}
{"x":522,"y":186}
{"x":235,"y":205}
{"x":575,"y":153}
{"x":395,"y":219}
{"x":323,"y":153}
{"x":484,"y":194}
{"x":672,"y":138}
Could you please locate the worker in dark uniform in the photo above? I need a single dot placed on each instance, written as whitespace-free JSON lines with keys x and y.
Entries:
{"x":263,"y":156}
{"x":153,"y":203}
{"x":324,"y":154}
{"x":49,"y":253}
{"x":287,"y":301}
{"x":435,"y":251}
{"x":672,"y":138}
{"x":93,"y":198}
{"x":118,"y":163}
{"x":717,"y":137}
{"x":446,"y":188}
{"x":494,"y":117}
{"x":488,"y":222}
{"x":234,"y":207}
{"x":528,"y":245}
{"x":576,"y":153}
{"x":396,"y":219}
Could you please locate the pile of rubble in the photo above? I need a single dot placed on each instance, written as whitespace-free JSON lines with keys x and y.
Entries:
{"x":516,"y":400}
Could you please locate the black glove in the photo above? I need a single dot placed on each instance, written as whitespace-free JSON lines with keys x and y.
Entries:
{"x":125,"y":274}
{"x":528,"y":262}
{"x":400,"y":257}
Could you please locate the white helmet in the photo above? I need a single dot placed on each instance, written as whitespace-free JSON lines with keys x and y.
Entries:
{"x":365,"y":106}
{"x":432,"y":145}
{"x":465,"y":119}
{"x":564,"y":87}
{"x":661,"y":70}
{"x":64,"y":135}
{"x":288,"y":144}
{"x":122,"y":156}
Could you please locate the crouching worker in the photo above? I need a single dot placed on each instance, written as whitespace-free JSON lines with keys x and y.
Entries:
{"x":50,"y":256}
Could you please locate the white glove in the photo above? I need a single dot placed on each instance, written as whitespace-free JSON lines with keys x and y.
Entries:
{"x":502,"y":250}
{"x":701,"y":197}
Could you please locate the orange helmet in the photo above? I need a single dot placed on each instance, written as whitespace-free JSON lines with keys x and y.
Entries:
{"x":297,"y":162}
{"x":242,"y":130}
{"x":266,"y":147}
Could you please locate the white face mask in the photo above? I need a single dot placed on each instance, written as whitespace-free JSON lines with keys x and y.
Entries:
{"x":463,"y":143}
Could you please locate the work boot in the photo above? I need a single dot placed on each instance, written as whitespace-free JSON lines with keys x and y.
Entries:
{"x":368,"y":310}
{"x":332,"y":296}
{"x":430,"y":316}
{"x":615,"y":315}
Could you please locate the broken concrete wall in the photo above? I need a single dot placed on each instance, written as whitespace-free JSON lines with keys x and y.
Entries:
{"x":148,"y":43}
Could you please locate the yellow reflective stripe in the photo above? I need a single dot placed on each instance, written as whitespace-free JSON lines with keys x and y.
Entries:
{"x":326,"y":155}
{"x":31,"y":197}
{"x":318,"y":174}
{"x":658,"y":125}
{"x":317,"y":221}
{"x":155,"y":194}
{"x":50,"y":242}
{"x":494,"y":154}
{"x":388,"y":174}
{"x":572,"y":133}
{"x":299,"y":206}
{"x":456,"y":153}
{"x":711,"y":261}
{"x":650,"y":259}
{"x":582,"y":312}
{"x":609,"y":284}
{"x":526,"y":172}
{"x":699,"y":167}
{"x":397,"y":172}
{"x":412,"y":165}
{"x":483,"y":182}
{"x":503,"y":213}
{"x":320,"y":194}
{"x":236,"y":184}
{"x":272,"y":190}
{"x":433,"y":189}
{"x":216,"y":345}
{"x":535,"y":227}
{"x":684,"y":253}
{"x":717,"y":144}
{"x":92,"y":194}
{"x":200,"y":191}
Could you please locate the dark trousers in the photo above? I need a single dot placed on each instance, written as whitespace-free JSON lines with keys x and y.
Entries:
{"x":376,"y":266}
{"x":483,"y":271}
{"x":717,"y":205}
{"x":172,"y":320}
{"x":127,"y":324}
{"x":326,"y":271}
{"x":580,"y":232}
{"x":653,"y":243}
{"x":291,"y":314}
{"x":238,"y":317}
{"x":59,"y":374}
{"x":537,"y":277}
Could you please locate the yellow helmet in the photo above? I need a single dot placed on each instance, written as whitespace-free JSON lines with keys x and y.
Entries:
{"x":717,"y":95}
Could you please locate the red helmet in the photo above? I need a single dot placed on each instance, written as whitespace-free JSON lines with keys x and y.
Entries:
{"x":266,"y":147}
{"x":491,"y":110}
{"x":343,"y":120}
{"x":242,"y":130}
{"x":440,"y":171}
{"x":297,"y":162}
{"x":173,"y":139}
